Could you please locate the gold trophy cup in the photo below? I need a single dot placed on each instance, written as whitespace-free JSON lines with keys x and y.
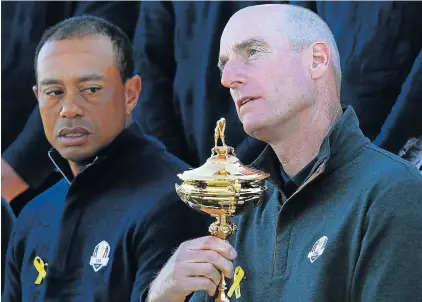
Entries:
{"x":223,"y":187}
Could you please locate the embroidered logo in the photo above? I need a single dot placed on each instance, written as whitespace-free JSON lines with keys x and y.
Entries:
{"x":100,"y":255}
{"x":317,"y":249}
{"x":40,"y":265}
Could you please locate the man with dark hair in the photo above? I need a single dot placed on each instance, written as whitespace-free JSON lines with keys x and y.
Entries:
{"x":26,"y":170}
{"x":90,"y":26}
{"x":104,"y":231}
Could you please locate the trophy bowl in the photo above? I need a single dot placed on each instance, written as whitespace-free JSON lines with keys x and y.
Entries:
{"x":223,"y":187}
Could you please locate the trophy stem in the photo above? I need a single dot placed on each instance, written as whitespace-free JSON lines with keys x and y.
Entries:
{"x":222,"y":291}
{"x":222,"y":228}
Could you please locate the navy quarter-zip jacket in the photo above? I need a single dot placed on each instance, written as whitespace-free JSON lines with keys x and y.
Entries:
{"x":351,"y":232}
{"x":103,"y":235}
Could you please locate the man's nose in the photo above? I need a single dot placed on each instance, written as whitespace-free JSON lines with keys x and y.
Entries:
{"x":72,"y":106}
{"x":233,"y":75}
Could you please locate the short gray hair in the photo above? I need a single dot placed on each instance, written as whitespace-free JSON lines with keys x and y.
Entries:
{"x":303,"y":27}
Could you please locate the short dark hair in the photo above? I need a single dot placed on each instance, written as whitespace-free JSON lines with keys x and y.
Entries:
{"x":85,"y":26}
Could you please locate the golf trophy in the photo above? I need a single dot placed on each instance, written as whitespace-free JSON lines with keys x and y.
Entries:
{"x":223,"y":187}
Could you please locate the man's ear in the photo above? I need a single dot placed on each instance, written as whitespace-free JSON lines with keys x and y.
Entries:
{"x":321,"y":57}
{"x":133,"y":87}
{"x":35,"y":90}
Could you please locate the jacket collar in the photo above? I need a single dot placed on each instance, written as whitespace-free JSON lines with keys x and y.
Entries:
{"x":339,"y":145}
{"x":129,"y":138}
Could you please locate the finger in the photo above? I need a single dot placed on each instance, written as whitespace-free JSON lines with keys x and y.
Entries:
{"x":206,"y":270}
{"x":213,"y":243}
{"x":210,"y":257}
{"x":201,"y":283}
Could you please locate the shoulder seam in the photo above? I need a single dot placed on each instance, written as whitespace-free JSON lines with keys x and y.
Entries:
{"x":369,"y":146}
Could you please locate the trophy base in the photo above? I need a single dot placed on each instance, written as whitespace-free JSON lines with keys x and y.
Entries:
{"x":222,"y":299}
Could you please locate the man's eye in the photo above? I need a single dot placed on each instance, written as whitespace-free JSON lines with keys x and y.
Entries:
{"x":252,"y":52}
{"x":91,"y":90}
{"x":54,"y":92}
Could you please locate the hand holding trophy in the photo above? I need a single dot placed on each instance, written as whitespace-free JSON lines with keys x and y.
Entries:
{"x":223,"y":187}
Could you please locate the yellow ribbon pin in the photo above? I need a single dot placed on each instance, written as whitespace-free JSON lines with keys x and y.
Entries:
{"x":239,"y":275}
{"x":40,"y":267}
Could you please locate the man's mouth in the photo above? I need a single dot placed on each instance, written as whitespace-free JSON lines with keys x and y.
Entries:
{"x":73,"y":136}
{"x":247,"y":101}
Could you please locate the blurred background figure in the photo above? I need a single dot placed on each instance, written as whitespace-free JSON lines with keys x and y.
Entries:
{"x":412,"y":151}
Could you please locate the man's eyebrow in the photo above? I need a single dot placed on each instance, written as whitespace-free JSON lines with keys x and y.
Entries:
{"x":252,"y":42}
{"x":221,"y":62}
{"x":49,"y":81}
{"x":83,"y":78}
{"x":91,"y":77}
{"x":249,"y":43}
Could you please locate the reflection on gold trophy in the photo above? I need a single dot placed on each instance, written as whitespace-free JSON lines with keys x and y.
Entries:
{"x":223,"y":187}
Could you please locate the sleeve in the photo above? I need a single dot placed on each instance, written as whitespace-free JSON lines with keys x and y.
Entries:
{"x":389,"y":265}
{"x":7,"y":222}
{"x":404,"y":120}
{"x":154,"y":56}
{"x":28,"y":154}
{"x":12,"y":285}
{"x":159,"y":237}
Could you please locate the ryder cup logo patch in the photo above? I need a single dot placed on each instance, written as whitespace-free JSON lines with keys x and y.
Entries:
{"x":317,"y":249}
{"x":100,"y":255}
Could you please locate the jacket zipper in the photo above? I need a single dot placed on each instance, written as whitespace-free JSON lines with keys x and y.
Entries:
{"x":64,"y":176}
{"x":311,"y":178}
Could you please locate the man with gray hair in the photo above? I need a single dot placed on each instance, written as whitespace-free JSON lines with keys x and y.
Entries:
{"x":341,"y":219}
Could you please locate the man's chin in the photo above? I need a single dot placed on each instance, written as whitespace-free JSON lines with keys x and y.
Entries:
{"x":253,"y":129}
{"x":78,"y":156}
{"x":257,"y":128}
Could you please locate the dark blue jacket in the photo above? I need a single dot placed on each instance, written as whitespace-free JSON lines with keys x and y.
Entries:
{"x":103,"y":235}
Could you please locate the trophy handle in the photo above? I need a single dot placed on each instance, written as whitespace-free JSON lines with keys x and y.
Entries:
{"x":222,"y":228}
